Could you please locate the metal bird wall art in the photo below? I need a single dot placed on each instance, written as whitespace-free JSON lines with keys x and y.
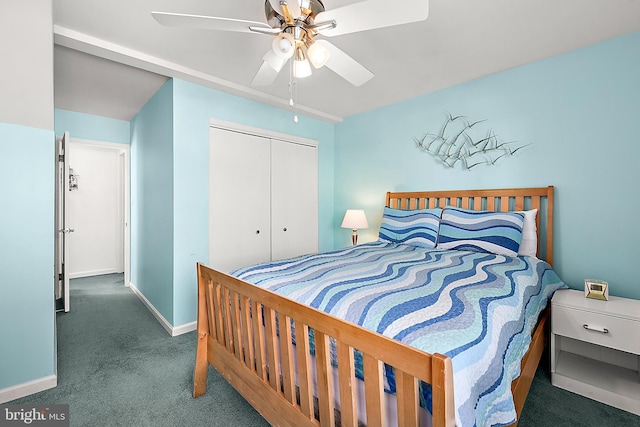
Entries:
{"x":465,"y":142}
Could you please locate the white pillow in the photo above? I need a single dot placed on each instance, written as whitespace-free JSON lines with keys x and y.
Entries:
{"x":529,"y":243}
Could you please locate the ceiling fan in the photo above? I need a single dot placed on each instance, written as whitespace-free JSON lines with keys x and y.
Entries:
{"x":296,"y":25}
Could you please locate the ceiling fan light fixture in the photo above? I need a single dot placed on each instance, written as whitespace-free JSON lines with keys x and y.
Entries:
{"x":318,"y":55}
{"x":301,"y":66}
{"x":284,"y":45}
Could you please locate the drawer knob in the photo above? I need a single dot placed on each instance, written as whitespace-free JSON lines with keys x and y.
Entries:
{"x":595,"y":328}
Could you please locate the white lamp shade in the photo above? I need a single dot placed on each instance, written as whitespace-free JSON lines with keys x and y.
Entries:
{"x":318,"y":55}
{"x":355,"y":219}
{"x":301,"y":68}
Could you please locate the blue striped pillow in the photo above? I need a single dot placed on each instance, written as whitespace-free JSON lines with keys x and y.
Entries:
{"x":481,"y":231}
{"x":415,"y":227}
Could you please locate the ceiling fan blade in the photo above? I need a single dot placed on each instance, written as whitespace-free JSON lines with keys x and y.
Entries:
{"x":276,"y":62}
{"x":345,"y":66}
{"x":293,"y":6}
{"x":265,"y":75}
{"x":372,"y":14}
{"x":269,"y":69}
{"x":207,"y":22}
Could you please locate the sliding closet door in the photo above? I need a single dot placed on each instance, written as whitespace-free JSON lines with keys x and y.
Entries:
{"x":239,"y":205}
{"x":294,"y":199}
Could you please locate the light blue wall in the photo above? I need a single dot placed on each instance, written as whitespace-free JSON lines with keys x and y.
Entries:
{"x":169,"y":173}
{"x":580,"y":111}
{"x":27,"y":315}
{"x":90,"y":127}
{"x":194,"y":106}
{"x":152,"y":176}
{"x":27,"y":143}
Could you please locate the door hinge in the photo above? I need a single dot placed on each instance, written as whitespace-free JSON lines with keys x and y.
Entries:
{"x":61,"y":157}
{"x":59,"y":276}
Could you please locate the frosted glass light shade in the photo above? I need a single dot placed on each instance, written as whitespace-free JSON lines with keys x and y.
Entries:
{"x":355,"y":219}
{"x":318,"y":55}
{"x":301,"y":68}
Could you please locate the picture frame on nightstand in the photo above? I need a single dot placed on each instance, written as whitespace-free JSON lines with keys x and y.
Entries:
{"x":596,"y":289}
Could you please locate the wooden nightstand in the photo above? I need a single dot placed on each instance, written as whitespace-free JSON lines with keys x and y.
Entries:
{"x":595,"y":348}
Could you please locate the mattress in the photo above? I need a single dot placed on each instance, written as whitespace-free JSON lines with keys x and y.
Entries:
{"x":477,"y":308}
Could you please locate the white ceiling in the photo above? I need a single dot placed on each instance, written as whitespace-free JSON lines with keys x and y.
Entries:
{"x":460,"y":41}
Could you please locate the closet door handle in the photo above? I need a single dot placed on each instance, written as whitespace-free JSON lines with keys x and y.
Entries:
{"x":257,"y":231}
{"x":284,"y":229}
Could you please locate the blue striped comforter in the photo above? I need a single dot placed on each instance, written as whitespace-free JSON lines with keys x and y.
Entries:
{"x":477,"y":308}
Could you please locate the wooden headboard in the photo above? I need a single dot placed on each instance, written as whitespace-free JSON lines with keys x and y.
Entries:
{"x":499,"y":200}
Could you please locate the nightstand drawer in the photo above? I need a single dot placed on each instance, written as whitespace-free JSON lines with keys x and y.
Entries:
{"x":621,"y":334}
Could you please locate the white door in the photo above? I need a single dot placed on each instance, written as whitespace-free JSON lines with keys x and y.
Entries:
{"x":294,"y":199}
{"x":62,"y":221}
{"x":96,"y":210}
{"x":239,"y":225}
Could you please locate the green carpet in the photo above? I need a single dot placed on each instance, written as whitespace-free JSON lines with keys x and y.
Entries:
{"x":118,"y":367}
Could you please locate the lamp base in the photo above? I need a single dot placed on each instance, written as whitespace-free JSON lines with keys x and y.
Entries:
{"x":354,"y":237}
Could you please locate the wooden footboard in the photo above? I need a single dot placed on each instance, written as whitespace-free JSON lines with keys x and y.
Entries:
{"x":237,"y":336}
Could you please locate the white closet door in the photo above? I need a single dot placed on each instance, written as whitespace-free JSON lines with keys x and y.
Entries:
{"x":239,"y":226}
{"x":294,"y":199}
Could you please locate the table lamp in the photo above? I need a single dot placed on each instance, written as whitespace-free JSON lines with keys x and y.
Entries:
{"x":354,"y":219}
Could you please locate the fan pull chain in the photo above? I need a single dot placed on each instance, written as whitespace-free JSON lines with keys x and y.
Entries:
{"x":293,"y":92}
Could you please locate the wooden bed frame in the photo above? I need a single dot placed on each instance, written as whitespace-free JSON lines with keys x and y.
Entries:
{"x":237,"y":336}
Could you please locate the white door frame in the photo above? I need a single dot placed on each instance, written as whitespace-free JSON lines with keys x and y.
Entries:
{"x":62,"y":223}
{"x":124,"y":151}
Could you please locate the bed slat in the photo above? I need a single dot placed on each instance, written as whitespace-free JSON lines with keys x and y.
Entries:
{"x":346,"y":375}
{"x":272,"y":348}
{"x":288,"y":375}
{"x":227,"y":319}
{"x":258,"y":340}
{"x":304,"y":369}
{"x":235,"y":325}
{"x":374,"y":390}
{"x":407,"y":395}
{"x":504,"y":204}
{"x":247,"y":333}
{"x":325,"y":388}
{"x":218,"y":313}
{"x":491,"y":203}
{"x":211,"y":310}
{"x":535,"y":204}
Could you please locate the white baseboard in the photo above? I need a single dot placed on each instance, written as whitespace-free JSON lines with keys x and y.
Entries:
{"x":94,"y":273}
{"x":172,"y":330}
{"x":184,"y":328}
{"x":25,"y":389}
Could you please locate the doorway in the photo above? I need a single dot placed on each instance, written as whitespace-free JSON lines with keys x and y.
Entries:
{"x":97,"y":209}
